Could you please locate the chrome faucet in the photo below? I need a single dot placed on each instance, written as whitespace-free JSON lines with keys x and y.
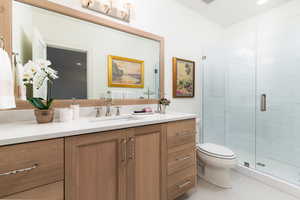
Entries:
{"x":108,"y":112}
{"x":108,"y":104}
{"x":118,"y":112}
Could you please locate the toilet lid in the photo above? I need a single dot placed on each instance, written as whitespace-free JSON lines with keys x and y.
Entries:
{"x":216,"y":150}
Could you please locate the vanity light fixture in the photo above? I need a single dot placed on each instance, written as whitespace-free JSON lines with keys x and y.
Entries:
{"x":262,"y":2}
{"x":119,"y":9}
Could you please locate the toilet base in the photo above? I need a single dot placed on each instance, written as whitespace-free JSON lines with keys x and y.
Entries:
{"x":220,"y":177}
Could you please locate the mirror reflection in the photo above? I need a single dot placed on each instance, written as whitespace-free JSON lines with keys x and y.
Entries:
{"x":89,"y":59}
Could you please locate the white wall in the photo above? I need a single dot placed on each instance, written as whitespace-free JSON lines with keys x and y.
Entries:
{"x":187,"y":35}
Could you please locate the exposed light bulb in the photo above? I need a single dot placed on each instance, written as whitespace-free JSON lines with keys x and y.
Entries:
{"x":106,"y":6}
{"x":105,"y":2}
{"x":128,"y":3}
{"x":122,"y":7}
{"x":122,"y":13}
{"x":86,"y":2}
{"x":262,"y":2}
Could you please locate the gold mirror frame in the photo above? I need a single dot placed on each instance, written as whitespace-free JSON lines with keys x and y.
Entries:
{"x":6,"y":31}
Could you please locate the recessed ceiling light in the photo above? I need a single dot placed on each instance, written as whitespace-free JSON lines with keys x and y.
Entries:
{"x":208,"y":1}
{"x":262,"y":2}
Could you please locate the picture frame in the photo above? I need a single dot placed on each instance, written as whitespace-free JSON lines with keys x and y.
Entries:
{"x":183,"y":78}
{"x":125,"y":72}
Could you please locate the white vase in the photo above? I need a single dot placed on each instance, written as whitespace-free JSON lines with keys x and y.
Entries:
{"x":163,"y":109}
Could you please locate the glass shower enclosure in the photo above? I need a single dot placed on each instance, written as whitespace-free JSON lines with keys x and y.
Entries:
{"x":278,"y":100}
{"x":251,"y":97}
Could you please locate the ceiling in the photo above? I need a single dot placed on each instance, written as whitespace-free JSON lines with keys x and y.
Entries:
{"x":228,"y":12}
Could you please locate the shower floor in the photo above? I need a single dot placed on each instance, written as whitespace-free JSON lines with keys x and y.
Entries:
{"x":272,"y":167}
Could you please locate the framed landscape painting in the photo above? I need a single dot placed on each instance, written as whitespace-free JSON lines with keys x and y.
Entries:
{"x":125,"y":72}
{"x":183,"y":78}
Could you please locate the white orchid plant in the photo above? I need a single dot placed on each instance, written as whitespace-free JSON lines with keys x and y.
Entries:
{"x":35,"y":74}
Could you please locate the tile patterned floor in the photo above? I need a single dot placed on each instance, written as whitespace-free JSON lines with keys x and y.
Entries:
{"x":244,"y":188}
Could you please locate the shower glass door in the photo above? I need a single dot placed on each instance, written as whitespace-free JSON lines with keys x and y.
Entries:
{"x":278,"y":99}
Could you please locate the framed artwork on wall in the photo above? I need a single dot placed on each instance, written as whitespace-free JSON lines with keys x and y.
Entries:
{"x":183,"y":78}
{"x":125,"y":72}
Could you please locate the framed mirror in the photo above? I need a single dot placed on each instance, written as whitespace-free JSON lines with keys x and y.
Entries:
{"x":92,"y":56}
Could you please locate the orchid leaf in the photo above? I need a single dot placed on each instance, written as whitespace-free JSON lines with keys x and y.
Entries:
{"x":49,"y":103}
{"x":38,"y":103}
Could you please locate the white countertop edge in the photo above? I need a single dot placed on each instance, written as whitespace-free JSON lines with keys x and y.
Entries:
{"x":17,"y":139}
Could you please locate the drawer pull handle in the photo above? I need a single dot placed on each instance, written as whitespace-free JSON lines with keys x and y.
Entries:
{"x":132,"y":149}
{"x":184,"y":184}
{"x":184,"y":158}
{"x":123,"y":150}
{"x":186,"y":133}
{"x":19,"y":170}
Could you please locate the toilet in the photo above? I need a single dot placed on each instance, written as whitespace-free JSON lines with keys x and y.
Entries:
{"x":216,"y":163}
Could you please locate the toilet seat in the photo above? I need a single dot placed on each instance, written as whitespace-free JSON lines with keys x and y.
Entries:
{"x":216,"y":151}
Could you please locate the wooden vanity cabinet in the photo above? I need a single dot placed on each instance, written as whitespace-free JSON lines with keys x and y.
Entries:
{"x":116,"y":165}
{"x":154,"y":162}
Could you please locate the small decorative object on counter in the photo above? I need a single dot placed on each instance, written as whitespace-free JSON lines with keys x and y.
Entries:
{"x":144,"y":111}
{"x":65,"y":115}
{"x":148,"y":110}
{"x":39,"y":76}
{"x":75,"y":109}
{"x":44,"y":116}
{"x":163,"y":103}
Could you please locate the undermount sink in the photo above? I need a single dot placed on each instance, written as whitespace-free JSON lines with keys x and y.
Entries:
{"x":118,"y":118}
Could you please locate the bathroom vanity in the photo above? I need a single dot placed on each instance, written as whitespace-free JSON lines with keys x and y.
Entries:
{"x":149,"y":158}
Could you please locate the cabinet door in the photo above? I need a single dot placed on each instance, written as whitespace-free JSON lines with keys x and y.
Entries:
{"x":144,"y":170}
{"x":96,"y":166}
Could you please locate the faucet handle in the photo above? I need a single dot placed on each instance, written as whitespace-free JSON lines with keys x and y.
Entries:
{"x":118,"y":113}
{"x":98,"y":111}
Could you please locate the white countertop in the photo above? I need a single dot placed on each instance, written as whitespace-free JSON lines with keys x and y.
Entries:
{"x":29,"y":131}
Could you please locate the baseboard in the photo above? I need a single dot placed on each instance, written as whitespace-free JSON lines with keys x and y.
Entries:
{"x":277,"y":183}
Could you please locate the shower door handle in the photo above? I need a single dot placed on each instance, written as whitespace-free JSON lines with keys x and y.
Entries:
{"x":263,"y":103}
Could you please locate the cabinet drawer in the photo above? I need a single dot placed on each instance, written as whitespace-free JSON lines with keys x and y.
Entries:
{"x":29,"y":165}
{"x":181,"y":132}
{"x":180,"y":182}
{"x":181,"y":159}
{"x":52,"y":191}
